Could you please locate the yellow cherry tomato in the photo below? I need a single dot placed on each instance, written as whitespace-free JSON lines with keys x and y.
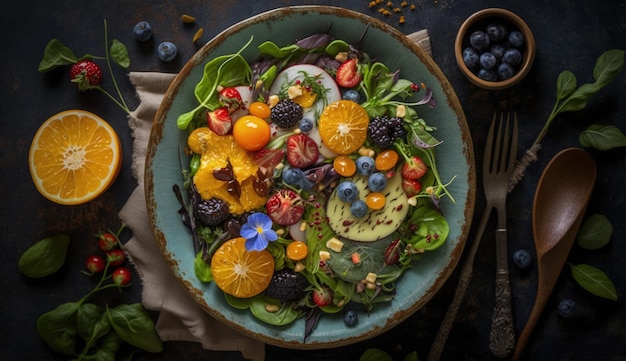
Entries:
{"x":297,"y":250}
{"x":375,"y":200}
{"x":260,"y":109}
{"x":386,"y":159}
{"x":344,"y":166}
{"x":251,"y":132}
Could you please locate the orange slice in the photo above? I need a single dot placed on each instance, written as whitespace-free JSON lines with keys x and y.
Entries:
{"x":239,"y":272}
{"x":74,"y":157}
{"x":343,"y":126}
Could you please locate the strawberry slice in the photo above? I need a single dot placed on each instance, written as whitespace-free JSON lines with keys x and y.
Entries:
{"x":268,"y":158}
{"x":348,"y":75}
{"x":285,"y":207}
{"x":219,"y":121}
{"x":302,"y":151}
{"x":322,"y":296}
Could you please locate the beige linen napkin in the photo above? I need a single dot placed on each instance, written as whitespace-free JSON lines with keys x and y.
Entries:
{"x":180,"y":317}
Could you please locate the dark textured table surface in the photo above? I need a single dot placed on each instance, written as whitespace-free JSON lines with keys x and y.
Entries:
{"x":570,"y":35}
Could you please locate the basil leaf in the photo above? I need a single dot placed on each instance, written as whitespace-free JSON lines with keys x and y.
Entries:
{"x":44,"y":257}
{"x":111,"y":342}
{"x":91,"y":323}
{"x":595,"y":232}
{"x":58,"y":327}
{"x":602,"y":137}
{"x":202,"y":269}
{"x":135,"y":326}
{"x":119,"y":54}
{"x":283,"y":316}
{"x":594,"y":281}
{"x":236,"y":302}
{"x":374,"y":354}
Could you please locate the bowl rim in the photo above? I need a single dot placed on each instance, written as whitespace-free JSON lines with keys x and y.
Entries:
{"x":452,"y":102}
{"x":529,"y":53}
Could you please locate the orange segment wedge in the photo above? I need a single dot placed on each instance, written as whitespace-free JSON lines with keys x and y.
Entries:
{"x":343,"y":126}
{"x":74,"y":157}
{"x":239,"y":272}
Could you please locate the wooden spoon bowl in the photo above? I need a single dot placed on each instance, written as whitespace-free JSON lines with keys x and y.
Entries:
{"x":561,"y":198}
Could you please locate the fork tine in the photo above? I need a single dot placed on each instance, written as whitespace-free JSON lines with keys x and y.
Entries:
{"x":504,"y":150}
{"x":513,"y":147}
{"x":487,"y":161}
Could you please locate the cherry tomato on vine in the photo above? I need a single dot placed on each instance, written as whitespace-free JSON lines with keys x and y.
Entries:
{"x":121,"y":276}
{"x":107,"y":241}
{"x":95,"y":264}
{"x":116,"y":257}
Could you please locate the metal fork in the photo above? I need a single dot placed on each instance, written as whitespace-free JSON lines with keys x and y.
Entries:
{"x":498,"y":165}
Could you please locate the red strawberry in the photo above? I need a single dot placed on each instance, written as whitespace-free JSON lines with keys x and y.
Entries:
{"x":219,"y":121}
{"x":414,"y":168}
{"x":285,"y":207}
{"x":348,"y":75}
{"x":411,"y":187}
{"x":86,"y":74}
{"x":322,"y":296}
{"x":302,"y":151}
{"x":268,"y":158}
{"x":231,"y":99}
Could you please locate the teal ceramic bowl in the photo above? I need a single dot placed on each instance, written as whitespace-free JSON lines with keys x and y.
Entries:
{"x":455,"y":158}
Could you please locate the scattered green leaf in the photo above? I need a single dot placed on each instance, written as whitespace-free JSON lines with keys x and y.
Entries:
{"x":44,"y":257}
{"x":595,"y":232}
{"x":135,"y":326}
{"x":594,"y":281}
{"x":602,"y":137}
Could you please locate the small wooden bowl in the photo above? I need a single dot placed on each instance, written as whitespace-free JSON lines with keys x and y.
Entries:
{"x":479,"y":21}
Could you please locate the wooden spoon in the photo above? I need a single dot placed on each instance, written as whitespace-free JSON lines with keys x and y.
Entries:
{"x":561,"y":199}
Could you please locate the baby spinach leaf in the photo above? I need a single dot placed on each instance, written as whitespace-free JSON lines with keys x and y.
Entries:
{"x":202,"y":269}
{"x":594,"y":281}
{"x":236,"y":302}
{"x":602,"y":137}
{"x":58,"y":327}
{"x":44,"y":257}
{"x":374,"y":354}
{"x":119,"y":54}
{"x":595,"y":232}
{"x":135,"y":326}
{"x":111,"y":342}
{"x":91,"y":323}
{"x":283,"y":316}
{"x":565,"y":84}
{"x":432,"y":231}
{"x":56,"y":54}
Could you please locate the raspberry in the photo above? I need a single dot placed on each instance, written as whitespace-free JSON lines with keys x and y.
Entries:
{"x":286,"y":285}
{"x":212,"y":212}
{"x":384,"y":130}
{"x":286,"y":113}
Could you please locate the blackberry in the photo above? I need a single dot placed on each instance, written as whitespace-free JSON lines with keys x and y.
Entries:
{"x":286,"y":113}
{"x":286,"y":285}
{"x":384,"y":130}
{"x":212,"y":212}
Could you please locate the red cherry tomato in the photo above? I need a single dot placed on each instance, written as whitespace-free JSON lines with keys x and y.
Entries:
{"x":116,"y":257}
{"x":107,"y":241}
{"x":121,"y":276}
{"x":95,"y":264}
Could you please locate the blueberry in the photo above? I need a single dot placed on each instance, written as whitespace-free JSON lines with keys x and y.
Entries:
{"x":293,"y":176}
{"x":479,"y":40}
{"x":365,"y":165}
{"x":488,"y":60}
{"x":567,"y":308}
{"x":516,"y":38}
{"x":487,"y":74}
{"x":522,"y":259}
{"x":498,"y":51}
{"x":167,"y":51}
{"x":306,"y":184}
{"x":359,"y":208}
{"x":496,"y":31}
{"x":347,"y":191}
{"x":142,"y":31}
{"x":376,"y":182}
{"x":512,"y":56}
{"x":352,"y":95}
{"x":470,"y":57}
{"x":505,"y":71}
{"x":305,"y":125}
{"x":350,"y":318}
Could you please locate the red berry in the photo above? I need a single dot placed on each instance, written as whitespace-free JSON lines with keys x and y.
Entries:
{"x":322,"y":296}
{"x":348,"y":75}
{"x":219,"y":121}
{"x":302,"y":151}
{"x":231,"y":99}
{"x":86,"y":74}
{"x":121,"y":276}
{"x":116,"y":257}
{"x":285,"y":207}
{"x":414,"y":168}
{"x":268,"y":158}
{"x":95,"y":264}
{"x":411,"y":187}
{"x":107,"y":241}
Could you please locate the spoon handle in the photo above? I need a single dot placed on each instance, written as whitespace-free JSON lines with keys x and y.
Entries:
{"x":502,"y":336}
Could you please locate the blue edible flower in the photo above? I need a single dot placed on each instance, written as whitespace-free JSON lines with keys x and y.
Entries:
{"x":258,"y":232}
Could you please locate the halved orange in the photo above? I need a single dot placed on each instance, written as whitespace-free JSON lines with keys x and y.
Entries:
{"x":343,"y":126}
{"x":74,"y":157}
{"x":239,"y":272}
